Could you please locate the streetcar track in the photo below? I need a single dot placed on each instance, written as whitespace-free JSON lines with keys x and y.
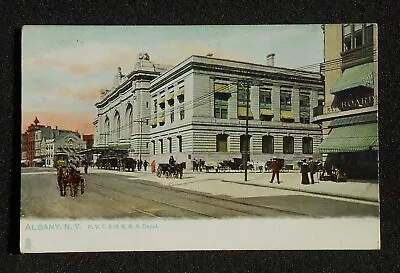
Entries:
{"x":186,"y":192}
{"x":220,"y":198}
{"x":154,"y":200}
{"x":134,"y":208}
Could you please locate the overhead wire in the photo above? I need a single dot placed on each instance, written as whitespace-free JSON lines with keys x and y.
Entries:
{"x":208,"y":97}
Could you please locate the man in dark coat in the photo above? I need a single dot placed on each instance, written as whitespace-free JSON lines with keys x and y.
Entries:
{"x":304,"y":172}
{"x":145,"y":163}
{"x":275,"y":166}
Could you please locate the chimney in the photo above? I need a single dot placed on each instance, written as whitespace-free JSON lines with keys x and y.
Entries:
{"x":271,"y":59}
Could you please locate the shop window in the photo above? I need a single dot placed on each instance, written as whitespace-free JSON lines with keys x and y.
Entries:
{"x":268,"y":144}
{"x":286,"y":99}
{"x":221,"y":105}
{"x":265,"y":98}
{"x":357,"y":35}
{"x":242,"y":91}
{"x":288,"y":145}
{"x":222,"y":143}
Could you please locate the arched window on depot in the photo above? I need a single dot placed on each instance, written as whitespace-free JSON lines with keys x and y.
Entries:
{"x":288,"y":145}
{"x":307,"y":145}
{"x":222,"y":143}
{"x":268,"y":144}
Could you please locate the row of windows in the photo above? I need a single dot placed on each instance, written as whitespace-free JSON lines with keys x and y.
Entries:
{"x":221,"y":97}
{"x":169,"y":143}
{"x":357,"y":35}
{"x":171,"y":102}
{"x":267,"y":144}
{"x":221,"y":144}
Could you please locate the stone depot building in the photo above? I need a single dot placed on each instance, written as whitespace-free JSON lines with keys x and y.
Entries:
{"x":198,"y":109}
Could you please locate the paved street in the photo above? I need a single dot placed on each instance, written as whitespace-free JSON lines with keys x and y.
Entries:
{"x":112,"y":195}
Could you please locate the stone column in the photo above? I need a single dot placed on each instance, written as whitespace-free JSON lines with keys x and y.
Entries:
{"x":255,"y":101}
{"x":276,"y":102}
{"x":232,"y":102}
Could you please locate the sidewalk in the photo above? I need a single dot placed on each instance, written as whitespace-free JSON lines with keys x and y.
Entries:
{"x":358,"y":190}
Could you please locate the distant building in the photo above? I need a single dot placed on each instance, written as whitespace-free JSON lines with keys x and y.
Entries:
{"x":89,"y":140}
{"x":69,"y":143}
{"x":35,"y":142}
{"x":349,"y":116}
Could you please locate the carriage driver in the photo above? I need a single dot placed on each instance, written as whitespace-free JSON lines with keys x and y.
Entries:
{"x":171,"y":161}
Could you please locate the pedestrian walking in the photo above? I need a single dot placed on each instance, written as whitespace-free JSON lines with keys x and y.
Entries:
{"x":304,"y":172}
{"x":153,"y":166}
{"x":85,"y":166}
{"x":194,"y":162}
{"x":201,"y":162}
{"x":140,"y":163}
{"x":275,"y":166}
{"x":145,"y":164}
{"x":134,"y":165}
{"x":312,"y":169}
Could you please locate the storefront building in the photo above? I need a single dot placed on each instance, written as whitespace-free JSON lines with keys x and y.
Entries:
{"x":349,"y":116}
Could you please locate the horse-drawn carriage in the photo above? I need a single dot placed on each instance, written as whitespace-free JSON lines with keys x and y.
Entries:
{"x":236,"y":164}
{"x":107,"y":163}
{"x":171,"y":170}
{"x":70,"y":178}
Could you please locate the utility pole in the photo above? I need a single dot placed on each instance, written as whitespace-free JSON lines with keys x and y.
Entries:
{"x":247,"y":131}
{"x":246,"y":142}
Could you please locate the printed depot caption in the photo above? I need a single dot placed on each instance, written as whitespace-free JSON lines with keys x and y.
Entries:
{"x":88,"y":226}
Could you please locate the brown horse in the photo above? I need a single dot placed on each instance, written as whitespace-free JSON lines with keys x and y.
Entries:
{"x":177,"y":169}
{"x":75,"y":181}
{"x":61,"y":181}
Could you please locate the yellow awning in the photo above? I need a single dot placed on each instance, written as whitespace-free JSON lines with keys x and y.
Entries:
{"x":287,"y":115}
{"x":161,"y":119}
{"x":266,"y":112}
{"x":181,"y":91}
{"x":221,"y":88}
{"x":162,"y":100}
{"x":170,"y":96}
{"x":153,"y":121}
{"x":241,"y":112}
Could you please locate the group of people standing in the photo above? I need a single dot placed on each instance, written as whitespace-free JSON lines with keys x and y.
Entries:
{"x":198,"y":165}
{"x":307,"y":170}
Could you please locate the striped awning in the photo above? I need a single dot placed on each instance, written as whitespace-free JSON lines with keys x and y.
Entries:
{"x":241,"y":112}
{"x":221,"y":88}
{"x":360,"y":75}
{"x":354,"y":138}
{"x":180,"y":92}
{"x":170,"y":96}
{"x":287,"y":115}
{"x":266,"y":112}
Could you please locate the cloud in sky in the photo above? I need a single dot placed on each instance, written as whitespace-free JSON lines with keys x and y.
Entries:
{"x":65,"y":67}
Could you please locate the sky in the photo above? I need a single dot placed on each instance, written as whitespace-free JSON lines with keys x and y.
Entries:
{"x":64,"y":68}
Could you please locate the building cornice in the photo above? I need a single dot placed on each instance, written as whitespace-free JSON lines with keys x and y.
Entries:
{"x":239,"y":69}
